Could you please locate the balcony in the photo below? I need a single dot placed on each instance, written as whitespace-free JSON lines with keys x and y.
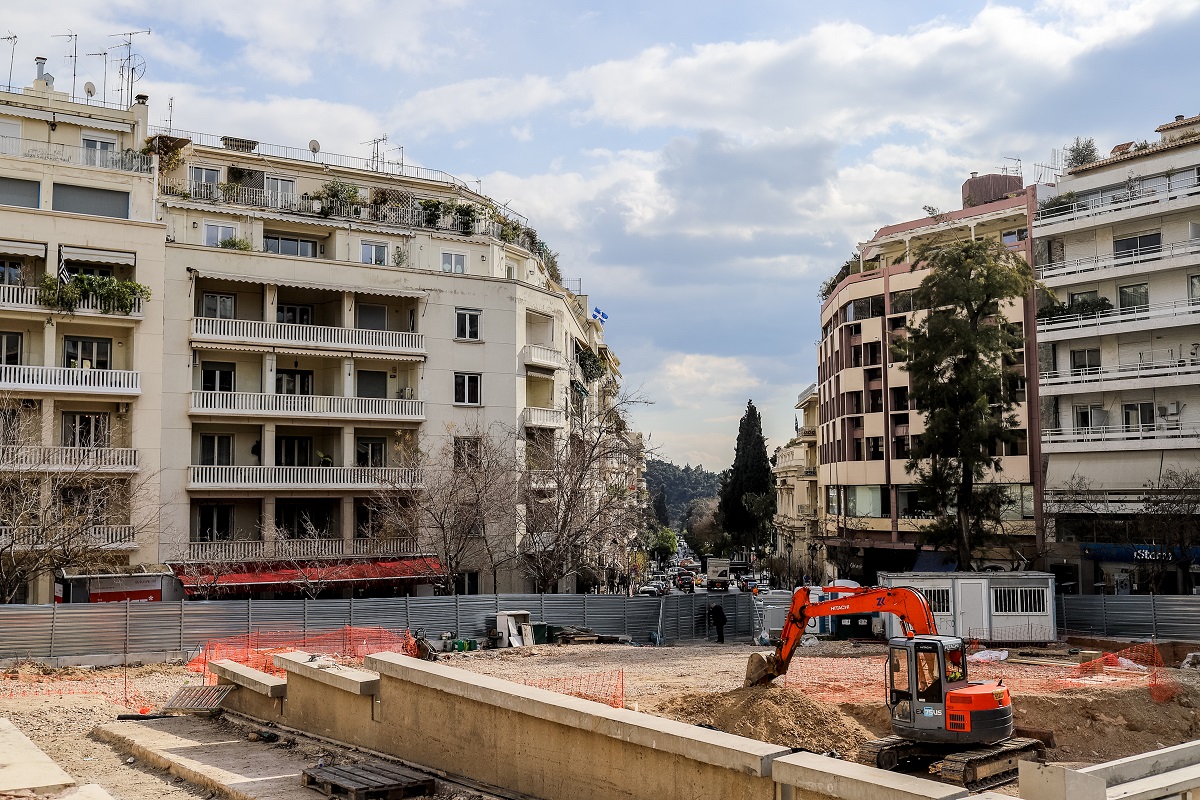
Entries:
{"x":545,"y":418}
{"x":1160,"y":436}
{"x":108,"y":537}
{"x":539,"y":355}
{"x":1145,"y":374}
{"x":307,"y":405}
{"x":119,"y":160}
{"x":287,"y":549}
{"x":283,"y":478}
{"x":68,"y":459}
{"x":1140,"y":203}
{"x":69,"y":380}
{"x":274,"y":334}
{"x":1175,"y":255}
{"x":28,"y":298}
{"x":1119,"y":320}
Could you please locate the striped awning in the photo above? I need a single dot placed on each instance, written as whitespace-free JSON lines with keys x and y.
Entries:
{"x":91,"y":255}
{"x":293,"y":283}
{"x":29,"y":249}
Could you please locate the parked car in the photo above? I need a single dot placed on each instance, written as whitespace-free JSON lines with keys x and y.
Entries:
{"x":685,"y":581}
{"x":653,"y":589}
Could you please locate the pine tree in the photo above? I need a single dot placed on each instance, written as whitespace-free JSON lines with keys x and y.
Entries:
{"x":660,"y":508}
{"x":747,"y":499}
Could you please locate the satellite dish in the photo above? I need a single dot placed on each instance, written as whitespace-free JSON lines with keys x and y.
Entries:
{"x":89,"y":89}
{"x":137,"y":65}
{"x":314,"y":145}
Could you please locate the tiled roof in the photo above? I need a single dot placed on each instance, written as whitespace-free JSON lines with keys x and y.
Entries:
{"x":1153,"y":149}
{"x":1177,"y":123}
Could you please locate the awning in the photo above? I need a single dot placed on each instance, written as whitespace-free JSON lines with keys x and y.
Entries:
{"x":70,"y":119}
{"x":160,"y":570}
{"x":283,"y":350}
{"x":89,"y":255}
{"x":317,"y":574}
{"x":292,"y":283}
{"x":11,"y":248}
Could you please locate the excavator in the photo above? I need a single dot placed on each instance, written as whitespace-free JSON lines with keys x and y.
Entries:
{"x":963,"y":729}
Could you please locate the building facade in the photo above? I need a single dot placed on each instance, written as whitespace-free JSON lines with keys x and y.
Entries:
{"x":872,"y":518}
{"x":1118,"y":243}
{"x":797,"y":540}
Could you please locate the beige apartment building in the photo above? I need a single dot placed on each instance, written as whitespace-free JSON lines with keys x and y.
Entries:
{"x":797,"y":539}
{"x":306,"y":312}
{"x":872,"y":517}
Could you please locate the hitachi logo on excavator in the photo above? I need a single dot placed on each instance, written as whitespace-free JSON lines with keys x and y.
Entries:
{"x":840,"y":608}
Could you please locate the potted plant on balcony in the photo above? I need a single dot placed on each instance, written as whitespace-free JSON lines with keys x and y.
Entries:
{"x":466,"y":214}
{"x":113,"y":295}
{"x":432,"y":212}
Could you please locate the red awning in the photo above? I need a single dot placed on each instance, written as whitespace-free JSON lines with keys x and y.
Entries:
{"x":318,"y":574}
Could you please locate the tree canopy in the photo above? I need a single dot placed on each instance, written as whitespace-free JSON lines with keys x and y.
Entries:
{"x":681,"y":486}
{"x":747,"y":497}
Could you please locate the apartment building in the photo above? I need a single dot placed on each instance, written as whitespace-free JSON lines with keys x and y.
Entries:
{"x":872,"y":516}
{"x":1118,"y":242}
{"x":80,"y":353}
{"x":796,"y":497}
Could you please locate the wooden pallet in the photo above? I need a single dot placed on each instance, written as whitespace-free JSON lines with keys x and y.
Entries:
{"x":375,"y":781}
{"x":197,"y":699}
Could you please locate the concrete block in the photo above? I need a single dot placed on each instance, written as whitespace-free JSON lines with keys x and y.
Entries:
{"x":354,"y":681}
{"x":1180,"y":782}
{"x":24,"y":766}
{"x":1052,"y":782}
{"x":717,"y":748}
{"x":248,"y":678}
{"x":836,"y":778}
{"x":89,"y":791}
{"x":1146,"y":765}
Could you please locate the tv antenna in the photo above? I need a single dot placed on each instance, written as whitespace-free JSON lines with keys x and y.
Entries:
{"x":104,"y":84}
{"x":12,"y":39}
{"x":1016,"y":168}
{"x":375,"y":150}
{"x":401,"y":149}
{"x":73,"y":55}
{"x":133,"y":66}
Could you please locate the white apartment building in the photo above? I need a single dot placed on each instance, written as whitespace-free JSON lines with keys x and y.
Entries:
{"x":797,"y":499}
{"x":1118,"y":241}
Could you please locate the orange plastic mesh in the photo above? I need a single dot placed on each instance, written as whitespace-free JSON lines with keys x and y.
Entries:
{"x":602,"y":687}
{"x":111,"y":686}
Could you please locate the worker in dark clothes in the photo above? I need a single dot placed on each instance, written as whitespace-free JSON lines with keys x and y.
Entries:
{"x":717,"y":614}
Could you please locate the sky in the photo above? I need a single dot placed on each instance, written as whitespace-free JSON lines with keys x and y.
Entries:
{"x":700,"y":166}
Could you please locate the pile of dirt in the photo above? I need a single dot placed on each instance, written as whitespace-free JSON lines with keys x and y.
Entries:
{"x":771,"y":714}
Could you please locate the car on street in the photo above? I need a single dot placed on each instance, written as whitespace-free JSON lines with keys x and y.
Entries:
{"x":654,"y":589}
{"x":685,"y":582}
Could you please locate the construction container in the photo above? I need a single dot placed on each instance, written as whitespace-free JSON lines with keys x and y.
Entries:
{"x":1016,"y":607}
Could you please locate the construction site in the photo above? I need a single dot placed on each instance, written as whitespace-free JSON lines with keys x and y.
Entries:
{"x":260,"y":716}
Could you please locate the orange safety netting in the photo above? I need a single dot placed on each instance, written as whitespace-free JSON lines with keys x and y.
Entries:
{"x":348,"y":645}
{"x":113,"y":687}
{"x":602,"y":687}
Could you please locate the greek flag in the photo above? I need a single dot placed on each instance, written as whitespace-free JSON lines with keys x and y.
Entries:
{"x":597,"y":314}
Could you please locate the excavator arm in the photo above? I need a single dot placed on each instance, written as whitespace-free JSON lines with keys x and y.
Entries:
{"x":908,"y":604}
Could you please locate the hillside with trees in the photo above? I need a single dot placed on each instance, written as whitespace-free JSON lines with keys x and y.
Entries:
{"x":680,"y":486}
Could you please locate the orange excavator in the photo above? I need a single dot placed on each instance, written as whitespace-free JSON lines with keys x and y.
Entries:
{"x":963,"y":729}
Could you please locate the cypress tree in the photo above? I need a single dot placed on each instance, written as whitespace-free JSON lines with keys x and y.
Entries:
{"x":660,"y":508}
{"x":747,"y":500}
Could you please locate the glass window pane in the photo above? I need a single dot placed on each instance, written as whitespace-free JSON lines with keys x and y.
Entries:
{"x":460,"y":388}
{"x":288,"y":247}
{"x":447,"y":262}
{"x":1132,"y":297}
{"x":271,"y":244}
{"x":307,"y":249}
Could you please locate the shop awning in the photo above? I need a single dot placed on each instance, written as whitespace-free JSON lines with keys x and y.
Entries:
{"x":90,"y":255}
{"x":317,"y":574}
{"x":11,"y":248}
{"x":296,"y":283}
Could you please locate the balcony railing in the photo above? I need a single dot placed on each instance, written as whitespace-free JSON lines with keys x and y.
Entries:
{"x":19,"y":377}
{"x":68,"y":459}
{"x":259,"y":477}
{"x":1119,"y":201}
{"x":1114,"y":316}
{"x":121,"y":160}
{"x":545,"y":417}
{"x":241,"y":403}
{"x":543,"y":356}
{"x":116,"y":537}
{"x":1144,"y":255}
{"x":280,"y":549}
{"x":1120,"y":372}
{"x":284,"y":333}
{"x":1120,"y":433}
{"x":30,"y":297}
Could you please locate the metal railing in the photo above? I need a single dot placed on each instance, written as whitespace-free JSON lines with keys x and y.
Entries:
{"x":69,"y":379}
{"x":25,"y":91}
{"x":1119,"y":433}
{"x":120,"y":160}
{"x":231,"y":477}
{"x":307,"y":404}
{"x":309,"y":547}
{"x":1119,"y":201}
{"x":31,"y":297}
{"x":545,"y":356}
{"x":545,"y":417}
{"x":1142,"y":255}
{"x":1121,"y":372}
{"x":106,"y":536}
{"x":1178,"y":308}
{"x":58,"y":459}
{"x":287,"y":333}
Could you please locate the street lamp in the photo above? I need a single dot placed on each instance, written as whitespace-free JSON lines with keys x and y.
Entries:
{"x":791,"y":580}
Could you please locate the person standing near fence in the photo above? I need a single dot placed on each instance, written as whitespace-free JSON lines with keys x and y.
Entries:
{"x":717,"y":615}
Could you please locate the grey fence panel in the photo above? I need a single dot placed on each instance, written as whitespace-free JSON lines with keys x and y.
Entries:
{"x":642,"y":617}
{"x":431,"y":614}
{"x":1132,"y":616}
{"x":381,"y":612}
{"x":276,"y":615}
{"x":1177,"y":617}
{"x":326,"y":615}
{"x":477,"y":613}
{"x":1083,"y":613}
{"x":565,"y":609}
{"x":606,"y":613}
{"x":213,"y":619}
{"x":26,"y":631}
{"x":86,"y":629}
{"x":153,"y":627}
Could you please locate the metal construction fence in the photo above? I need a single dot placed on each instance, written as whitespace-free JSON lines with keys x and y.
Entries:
{"x":1140,"y":616}
{"x":145,"y":629}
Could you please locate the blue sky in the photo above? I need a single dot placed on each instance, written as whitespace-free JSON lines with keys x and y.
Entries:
{"x":700,"y":166}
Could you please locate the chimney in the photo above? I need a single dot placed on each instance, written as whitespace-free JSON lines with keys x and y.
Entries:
{"x":41,"y":66}
{"x":974,"y":174}
{"x":1179,"y":117}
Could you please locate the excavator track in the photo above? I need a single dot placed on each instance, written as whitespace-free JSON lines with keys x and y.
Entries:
{"x":979,"y":768}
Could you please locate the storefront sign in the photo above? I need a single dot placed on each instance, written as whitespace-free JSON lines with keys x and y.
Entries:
{"x":141,"y":588}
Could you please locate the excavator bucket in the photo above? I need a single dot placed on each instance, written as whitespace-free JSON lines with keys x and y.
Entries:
{"x":761,"y":669}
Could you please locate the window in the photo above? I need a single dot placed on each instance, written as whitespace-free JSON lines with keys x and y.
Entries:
{"x":1085,"y":362}
{"x":293,"y":381}
{"x":216,"y":523}
{"x":293,"y":451}
{"x":289,"y":246}
{"x":218,"y":306}
{"x":939,"y":600}
{"x":929,"y":675}
{"x":1089,"y":417}
{"x":874,"y":448}
{"x":1133,"y":298}
{"x":1082,"y":297}
{"x":88,"y":269}
{"x":1194,"y":288}
{"x":371,"y":318}
{"x":1019,"y":446}
{"x":466,"y":583}
{"x":1139,"y":247}
{"x":371,"y":383}
{"x":85,"y":429}
{"x":90,"y":200}
{"x":374,"y":253}
{"x":206,"y":175}
{"x":216,"y":376}
{"x":1138,"y":416}
{"x":899,"y":398}
{"x":280,"y":190}
{"x":216,"y":232}
{"x":216,"y":449}
{"x":369,"y":452}
{"x":82,"y":353}
{"x":10,"y":348}
{"x":98,"y":150}
{"x":293,"y":314}
{"x":900,"y":696}
{"x":466,"y":451}
{"x":466,"y":388}
{"x":11,"y":273}
{"x":454,"y":262}
{"x":1012,"y":239}
{"x":1018,"y":600}
{"x":902,"y":302}
{"x":295,"y":520}
{"x":467,"y":323}
{"x":16,"y":192}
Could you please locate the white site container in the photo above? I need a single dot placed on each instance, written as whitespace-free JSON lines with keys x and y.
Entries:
{"x":518,"y":618}
{"x":987,"y":606}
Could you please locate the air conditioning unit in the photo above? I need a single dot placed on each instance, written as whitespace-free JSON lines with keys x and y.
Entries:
{"x":1172,"y":408}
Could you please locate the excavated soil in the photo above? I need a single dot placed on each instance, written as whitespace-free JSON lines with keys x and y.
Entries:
{"x":771,"y":714}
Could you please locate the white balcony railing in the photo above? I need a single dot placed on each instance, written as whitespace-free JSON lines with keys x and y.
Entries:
{"x":543,"y":356}
{"x":116,"y":537}
{"x":259,"y":477}
{"x":283,"y":333}
{"x":1119,"y":201}
{"x":30,"y":297}
{"x":1146,"y":255}
{"x":69,"y":379}
{"x":545,"y":417}
{"x":284,"y":549}
{"x":1120,"y":433}
{"x":241,"y":403}
{"x":121,"y":160}
{"x":68,"y":459}
{"x":1116,"y":316}
{"x":1121,"y":372}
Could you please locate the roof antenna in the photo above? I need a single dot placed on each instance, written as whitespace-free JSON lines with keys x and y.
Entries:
{"x":74,"y":56}
{"x":104,"y":86}
{"x":375,"y":150}
{"x":12,"y":37}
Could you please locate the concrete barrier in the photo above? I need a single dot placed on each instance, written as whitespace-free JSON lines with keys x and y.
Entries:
{"x":259,"y":694}
{"x":1167,"y":773}
{"x":830,"y":777}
